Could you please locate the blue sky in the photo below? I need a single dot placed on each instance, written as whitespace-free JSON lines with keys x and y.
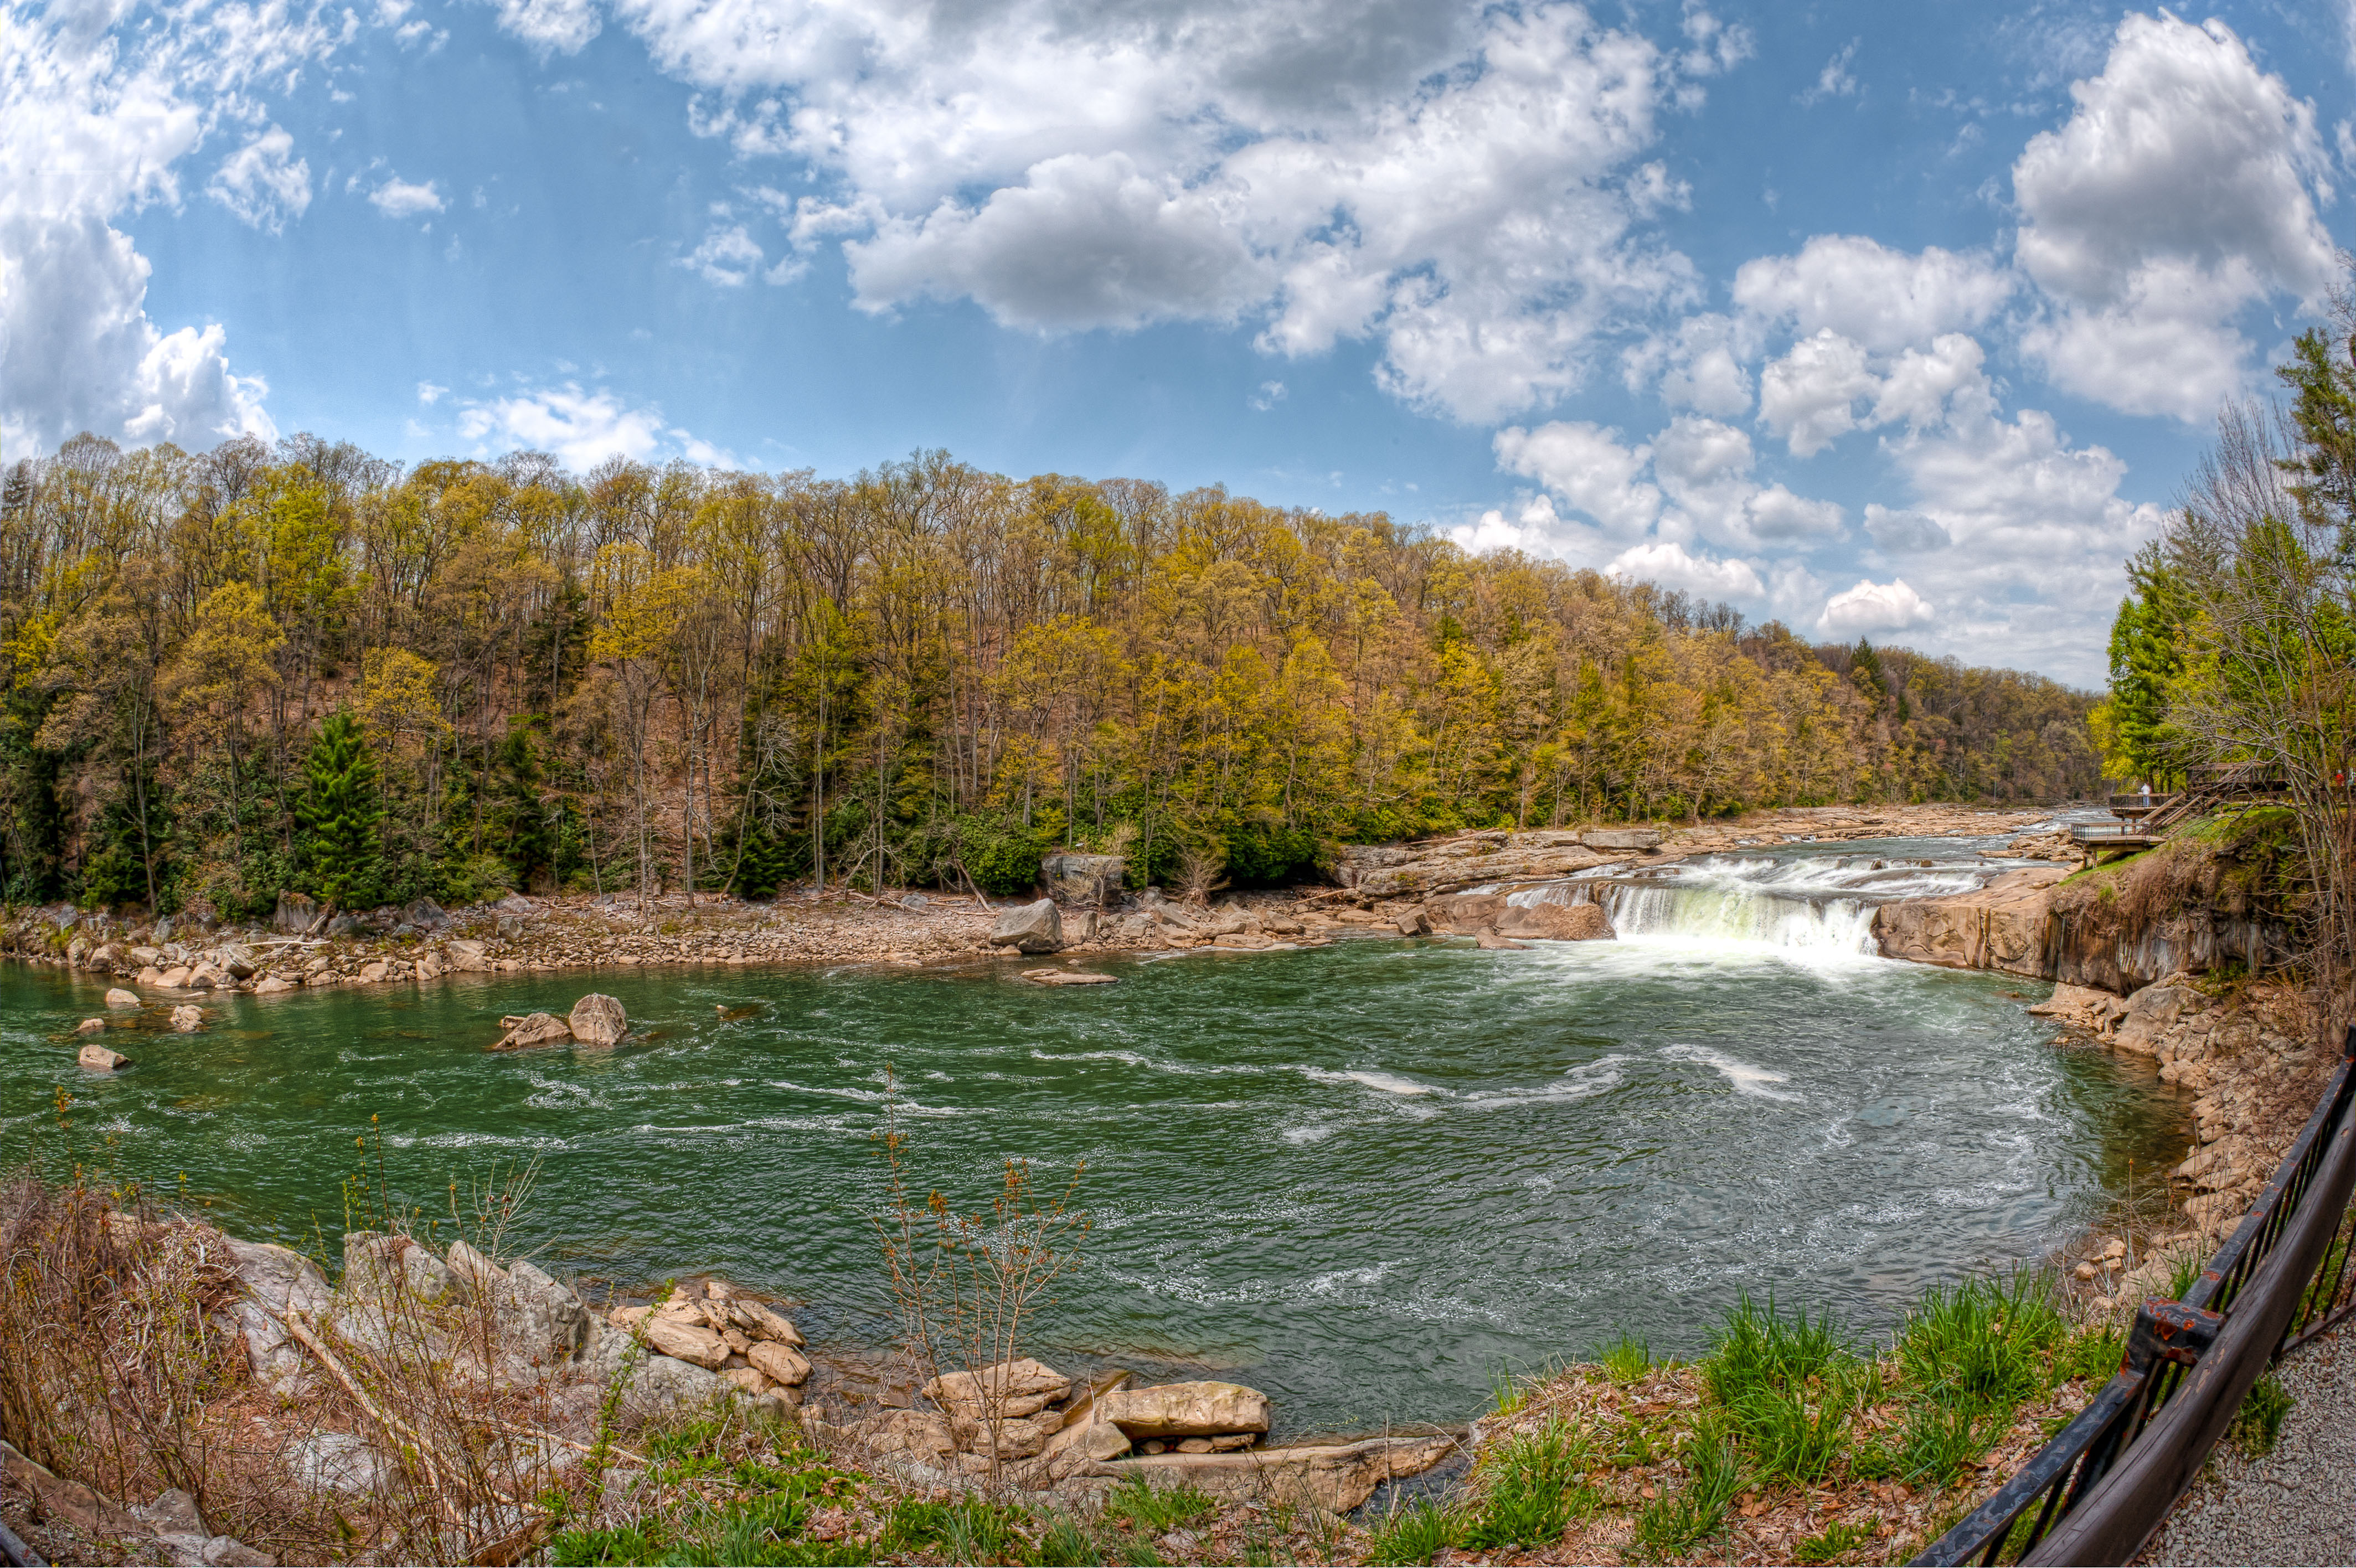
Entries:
{"x":1898,"y":321}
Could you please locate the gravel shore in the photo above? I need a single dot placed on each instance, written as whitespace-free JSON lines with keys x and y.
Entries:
{"x":2298,"y":1503}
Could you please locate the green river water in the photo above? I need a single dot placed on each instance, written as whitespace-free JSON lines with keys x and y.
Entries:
{"x":1363,"y":1178}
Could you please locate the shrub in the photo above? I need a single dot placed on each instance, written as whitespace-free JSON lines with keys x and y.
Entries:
{"x":1940,"y":1441}
{"x":1794,"y":1438}
{"x":1005,"y":861}
{"x":2094,"y":1355}
{"x":1834,"y":1543}
{"x":1141,"y":1506}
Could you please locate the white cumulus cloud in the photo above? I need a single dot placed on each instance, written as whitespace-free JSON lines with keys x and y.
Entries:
{"x":1471,"y":188}
{"x":1871,"y":606}
{"x":582,"y":428}
{"x":2177,"y":195}
{"x":728,"y":257}
{"x":262,"y":181}
{"x":1866,"y":292}
{"x":1669,"y":564}
{"x":1588,"y":467}
{"x":96,"y":124}
{"x":398,"y":198}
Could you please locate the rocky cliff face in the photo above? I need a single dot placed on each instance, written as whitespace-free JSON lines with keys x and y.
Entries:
{"x":2196,"y":904}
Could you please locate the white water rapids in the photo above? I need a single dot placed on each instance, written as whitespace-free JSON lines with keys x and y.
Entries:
{"x":1808,"y":907}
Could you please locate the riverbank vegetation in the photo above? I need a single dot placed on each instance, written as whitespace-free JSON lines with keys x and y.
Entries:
{"x":257,"y":668}
{"x":2237,"y":644}
{"x":1790,"y":1439}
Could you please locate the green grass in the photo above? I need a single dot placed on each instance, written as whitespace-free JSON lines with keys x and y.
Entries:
{"x":1533,"y":1490}
{"x":1941,"y":1440}
{"x":1797,"y":1434}
{"x":758,"y":1517}
{"x":1671,"y":1526}
{"x":1626,"y":1359}
{"x":1834,"y":1544}
{"x":2258,"y":1425}
{"x":1986,"y":1341}
{"x":1413,"y":1534}
{"x":968,"y":1530}
{"x":1066,"y":1543}
{"x":1758,"y":1347}
{"x":1151,"y":1510}
{"x":2093,"y":1355}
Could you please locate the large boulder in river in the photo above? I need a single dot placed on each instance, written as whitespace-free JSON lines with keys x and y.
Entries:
{"x":1186,"y":1410}
{"x":599,"y":1019}
{"x":119,"y":997}
{"x":2150,"y":1012}
{"x":1557,"y":923}
{"x":1031,"y":928}
{"x":535,"y":1029}
{"x":96,"y":1058}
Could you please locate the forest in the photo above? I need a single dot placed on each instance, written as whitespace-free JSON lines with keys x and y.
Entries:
{"x":303,"y":667}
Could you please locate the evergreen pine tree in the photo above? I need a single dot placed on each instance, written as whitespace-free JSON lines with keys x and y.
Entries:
{"x":1865,"y":669}
{"x":341,"y":808}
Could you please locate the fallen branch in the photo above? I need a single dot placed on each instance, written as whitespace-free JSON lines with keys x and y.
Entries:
{"x":514,"y":1430}
{"x":393,"y":1425}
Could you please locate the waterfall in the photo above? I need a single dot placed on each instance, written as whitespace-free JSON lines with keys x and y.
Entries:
{"x":1818,"y":905}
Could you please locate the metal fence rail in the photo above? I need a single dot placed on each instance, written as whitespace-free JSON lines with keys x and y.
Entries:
{"x":2103,"y":1487}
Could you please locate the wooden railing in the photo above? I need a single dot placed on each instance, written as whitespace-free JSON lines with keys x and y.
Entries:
{"x":2101,"y":1489}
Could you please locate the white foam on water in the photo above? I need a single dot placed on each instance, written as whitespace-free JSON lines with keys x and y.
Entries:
{"x":473,"y":1140}
{"x":1300,"y":1138}
{"x":1817,"y":909}
{"x":1585,"y":1082}
{"x":1327,"y":1284}
{"x":1758,"y":1083}
{"x":1388,"y":1083}
{"x":1424,"y":1101}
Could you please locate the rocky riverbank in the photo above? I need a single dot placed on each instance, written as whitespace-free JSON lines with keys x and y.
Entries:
{"x":174,"y":962}
{"x":430,"y":1403}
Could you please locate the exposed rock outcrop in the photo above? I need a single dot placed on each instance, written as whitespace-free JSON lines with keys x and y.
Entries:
{"x":1186,"y":1409}
{"x":1557,"y":923}
{"x":2005,"y":926}
{"x":1084,"y":882}
{"x":1030,"y":928}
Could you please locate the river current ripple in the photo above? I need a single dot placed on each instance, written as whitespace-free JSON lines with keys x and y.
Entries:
{"x":1364,"y":1177}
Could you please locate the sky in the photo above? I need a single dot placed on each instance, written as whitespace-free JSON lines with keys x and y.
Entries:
{"x":1898,"y":321}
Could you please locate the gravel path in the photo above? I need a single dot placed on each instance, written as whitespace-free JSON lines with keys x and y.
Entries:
{"x":2298,"y":1503}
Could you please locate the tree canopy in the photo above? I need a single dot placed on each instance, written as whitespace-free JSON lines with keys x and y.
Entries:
{"x":646,"y":676}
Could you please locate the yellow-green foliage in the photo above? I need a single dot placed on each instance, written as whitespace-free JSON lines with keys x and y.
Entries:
{"x":924,"y":672}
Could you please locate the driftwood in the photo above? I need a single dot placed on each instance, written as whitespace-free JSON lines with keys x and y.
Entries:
{"x":400,"y":1430}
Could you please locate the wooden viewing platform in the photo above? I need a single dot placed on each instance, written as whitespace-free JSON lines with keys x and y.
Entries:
{"x":2145,"y":818}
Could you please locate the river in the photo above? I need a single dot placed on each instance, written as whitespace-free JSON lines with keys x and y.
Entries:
{"x":1364,"y":1177}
